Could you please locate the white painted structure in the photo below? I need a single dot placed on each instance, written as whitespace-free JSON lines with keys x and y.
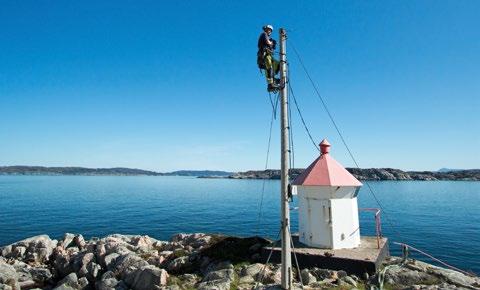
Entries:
{"x":327,"y":206}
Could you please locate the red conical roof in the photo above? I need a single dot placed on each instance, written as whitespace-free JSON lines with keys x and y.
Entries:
{"x":326,"y":171}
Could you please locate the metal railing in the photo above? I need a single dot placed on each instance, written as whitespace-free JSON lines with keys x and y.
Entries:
{"x":406,"y":249}
{"x":378,"y":222}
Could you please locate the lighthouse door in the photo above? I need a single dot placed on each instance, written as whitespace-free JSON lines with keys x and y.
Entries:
{"x":320,"y":223}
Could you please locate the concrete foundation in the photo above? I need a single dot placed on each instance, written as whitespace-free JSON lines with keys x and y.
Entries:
{"x":366,"y":258}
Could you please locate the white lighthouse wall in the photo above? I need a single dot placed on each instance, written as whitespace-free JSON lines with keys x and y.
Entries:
{"x":328,"y":217}
{"x":345,"y":226}
{"x":315,"y":224}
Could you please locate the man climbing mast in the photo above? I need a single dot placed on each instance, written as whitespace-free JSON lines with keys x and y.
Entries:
{"x":265,"y":59}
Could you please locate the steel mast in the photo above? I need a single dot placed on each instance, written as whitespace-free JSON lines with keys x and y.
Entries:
{"x":286,"y":269}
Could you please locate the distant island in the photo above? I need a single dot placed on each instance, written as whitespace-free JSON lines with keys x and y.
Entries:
{"x":361,"y":174}
{"x":116,"y":171}
{"x":373,"y":174}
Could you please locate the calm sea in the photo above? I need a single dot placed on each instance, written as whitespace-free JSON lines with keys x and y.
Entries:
{"x":441,"y":218}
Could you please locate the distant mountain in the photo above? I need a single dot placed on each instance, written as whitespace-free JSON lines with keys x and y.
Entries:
{"x":449,"y":170}
{"x":40,"y":170}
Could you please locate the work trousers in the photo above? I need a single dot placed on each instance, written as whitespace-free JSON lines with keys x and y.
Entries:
{"x":272,"y":67}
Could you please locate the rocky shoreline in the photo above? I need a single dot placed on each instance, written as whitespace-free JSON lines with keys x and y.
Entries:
{"x":189,"y":261}
{"x":372,"y":174}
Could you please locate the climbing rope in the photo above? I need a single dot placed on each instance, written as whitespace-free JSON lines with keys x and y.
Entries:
{"x":301,"y":117}
{"x":260,"y":206}
{"x":330,"y":116}
{"x":269,"y":257}
{"x":290,"y":132}
{"x":295,"y":257}
{"x":392,"y":225}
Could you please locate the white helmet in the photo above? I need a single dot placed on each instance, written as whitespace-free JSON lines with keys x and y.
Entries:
{"x":268,"y":27}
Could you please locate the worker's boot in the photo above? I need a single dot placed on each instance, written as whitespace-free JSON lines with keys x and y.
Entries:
{"x":272,"y":88}
{"x":279,"y":83}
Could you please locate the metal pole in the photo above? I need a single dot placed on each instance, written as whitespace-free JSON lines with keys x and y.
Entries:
{"x":285,"y":216}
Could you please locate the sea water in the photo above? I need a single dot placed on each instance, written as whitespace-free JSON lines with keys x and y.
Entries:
{"x":439,"y":217}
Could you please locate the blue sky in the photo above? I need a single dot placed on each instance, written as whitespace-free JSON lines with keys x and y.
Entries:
{"x":174,"y":85}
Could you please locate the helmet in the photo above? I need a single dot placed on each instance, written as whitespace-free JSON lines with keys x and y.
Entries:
{"x":268,"y":27}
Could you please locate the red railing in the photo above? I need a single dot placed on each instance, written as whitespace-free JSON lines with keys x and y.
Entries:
{"x":378,"y":222}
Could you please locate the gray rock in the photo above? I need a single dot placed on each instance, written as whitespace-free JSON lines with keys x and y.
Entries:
{"x":82,"y":260}
{"x":253,"y":270}
{"x":142,"y":243}
{"x":62,"y":262}
{"x":8,"y":275}
{"x":125,"y":264}
{"x":83,"y":283}
{"x":224,"y":274}
{"x":108,"y":275}
{"x":224,"y":265}
{"x":100,"y":253}
{"x":402,"y":276}
{"x":19,"y":252}
{"x":149,"y":277}
{"x":110,"y":258}
{"x":79,"y":241}
{"x":188,"y":280}
{"x":307,"y":277}
{"x":350,"y":281}
{"x":66,"y":241}
{"x":179,"y":264}
{"x":341,"y":274}
{"x":36,"y":249}
{"x":322,"y":274}
{"x":107,"y":284}
{"x":64,"y":287}
{"x":274,"y":276}
{"x":196,"y":240}
{"x":40,"y":275}
{"x":71,"y":280}
{"x":451,"y":276}
{"x":246,"y":280}
{"x":27,"y":284}
{"x":214,"y":285}
{"x":6,"y":251}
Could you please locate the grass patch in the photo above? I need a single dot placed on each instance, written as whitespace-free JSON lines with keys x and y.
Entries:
{"x":234,"y":283}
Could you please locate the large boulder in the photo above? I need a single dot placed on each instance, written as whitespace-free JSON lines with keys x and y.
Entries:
{"x":307,"y":277}
{"x":179,"y":264}
{"x":84,"y":264}
{"x":69,"y":281}
{"x":37,"y":249}
{"x":8,"y":275}
{"x":62,"y":261}
{"x":403,"y":276}
{"x":220,"y":279}
{"x":66,"y":241}
{"x":107,"y":284}
{"x":197,"y":240}
{"x":228,"y":274}
{"x":125,"y":265}
{"x":255,"y":271}
{"x":149,"y":277}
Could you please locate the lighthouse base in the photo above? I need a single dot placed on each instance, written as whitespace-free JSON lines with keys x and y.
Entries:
{"x":366,"y":258}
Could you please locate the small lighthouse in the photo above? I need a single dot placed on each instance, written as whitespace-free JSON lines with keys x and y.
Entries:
{"x":327,"y":204}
